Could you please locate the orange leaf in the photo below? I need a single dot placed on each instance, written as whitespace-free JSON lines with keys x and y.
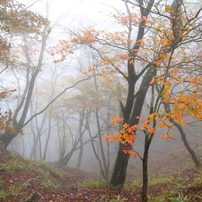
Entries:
{"x":152,"y":130}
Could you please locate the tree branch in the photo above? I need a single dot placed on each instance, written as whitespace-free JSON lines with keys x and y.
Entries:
{"x":55,"y":99}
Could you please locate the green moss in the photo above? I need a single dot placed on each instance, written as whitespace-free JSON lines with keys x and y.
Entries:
{"x":198,"y":180}
{"x":93,"y":183}
{"x":133,"y":184}
{"x":163,"y":180}
{"x":13,"y":165}
{"x":12,"y":190}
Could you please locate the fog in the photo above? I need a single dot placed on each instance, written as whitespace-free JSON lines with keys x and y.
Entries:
{"x":70,"y":131}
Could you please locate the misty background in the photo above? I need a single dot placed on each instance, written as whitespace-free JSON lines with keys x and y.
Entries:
{"x":71,"y":129}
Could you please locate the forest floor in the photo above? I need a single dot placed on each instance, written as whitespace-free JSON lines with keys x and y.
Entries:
{"x":33,"y":180}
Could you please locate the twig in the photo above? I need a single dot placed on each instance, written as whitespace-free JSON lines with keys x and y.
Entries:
{"x":30,"y":198}
{"x":98,"y":197}
{"x":30,"y":180}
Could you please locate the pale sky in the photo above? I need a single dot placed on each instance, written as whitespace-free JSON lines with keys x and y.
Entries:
{"x":87,"y":10}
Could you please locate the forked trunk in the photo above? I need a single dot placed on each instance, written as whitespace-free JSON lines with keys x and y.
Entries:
{"x":120,"y":169}
{"x":6,"y":139}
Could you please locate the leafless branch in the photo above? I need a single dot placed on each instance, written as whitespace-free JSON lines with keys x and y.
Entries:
{"x":51,"y":102}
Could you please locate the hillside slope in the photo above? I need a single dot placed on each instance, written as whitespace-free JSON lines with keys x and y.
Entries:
{"x":33,"y":180}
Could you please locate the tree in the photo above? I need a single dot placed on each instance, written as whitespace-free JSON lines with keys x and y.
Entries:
{"x":151,"y":58}
{"x":17,"y":21}
{"x":33,"y":30}
{"x":86,"y":112}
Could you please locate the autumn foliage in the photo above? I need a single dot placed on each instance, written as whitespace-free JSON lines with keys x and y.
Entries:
{"x":174,"y":78}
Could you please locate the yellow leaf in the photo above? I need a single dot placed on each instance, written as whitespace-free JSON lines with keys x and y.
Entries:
{"x":168,"y":8}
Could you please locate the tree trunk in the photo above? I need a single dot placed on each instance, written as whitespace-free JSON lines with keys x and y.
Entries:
{"x":37,"y":134}
{"x":120,"y":169}
{"x":6,"y":138}
{"x":148,"y":139}
{"x":78,"y":165}
{"x":130,"y":114}
{"x":104,"y":162}
{"x":48,"y":138}
{"x":186,"y":144}
{"x":81,"y":123}
{"x":145,"y":175}
{"x":119,"y":172}
{"x":68,"y":156}
{"x":102,"y":173}
{"x":183,"y":136}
